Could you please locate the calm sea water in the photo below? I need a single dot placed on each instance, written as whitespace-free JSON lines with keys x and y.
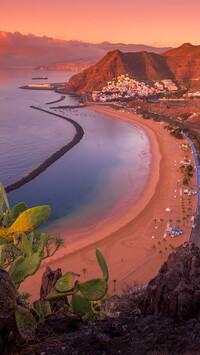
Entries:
{"x":110,"y":163}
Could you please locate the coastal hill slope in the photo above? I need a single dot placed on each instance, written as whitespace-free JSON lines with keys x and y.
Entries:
{"x":140,"y":65}
{"x":184,"y":61}
{"x":181,"y":64}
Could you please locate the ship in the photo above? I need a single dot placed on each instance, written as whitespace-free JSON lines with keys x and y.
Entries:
{"x":40,"y":77}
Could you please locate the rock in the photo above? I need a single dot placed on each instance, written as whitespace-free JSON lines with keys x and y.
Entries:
{"x":49,"y":279}
{"x":175,"y":291}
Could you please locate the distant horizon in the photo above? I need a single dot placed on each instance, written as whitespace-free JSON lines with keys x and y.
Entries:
{"x":90,"y":42}
{"x":154,"y":44}
{"x":155,"y":23}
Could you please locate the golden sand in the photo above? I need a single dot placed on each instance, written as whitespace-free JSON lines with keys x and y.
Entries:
{"x":131,"y":252}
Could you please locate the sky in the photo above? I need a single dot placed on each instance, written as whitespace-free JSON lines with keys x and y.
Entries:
{"x":152,"y":22}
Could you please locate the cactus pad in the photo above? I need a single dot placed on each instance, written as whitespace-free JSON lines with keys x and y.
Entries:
{"x":94,"y":289}
{"x":80,"y":305}
{"x":30,"y":219}
{"x":66,"y":282}
{"x":53,"y":294}
{"x":102,"y":264}
{"x":46,"y":308}
{"x":24,"y":246}
{"x":8,"y":303}
{"x":3,"y":198}
{"x":2,"y":256}
{"x":15,"y":265}
{"x":17,"y":209}
{"x":26,"y":323}
{"x":27,"y":267}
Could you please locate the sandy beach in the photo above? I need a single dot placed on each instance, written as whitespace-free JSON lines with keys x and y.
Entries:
{"x":131,"y":252}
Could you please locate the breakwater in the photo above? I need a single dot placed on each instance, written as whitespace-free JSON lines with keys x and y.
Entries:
{"x":54,"y":102}
{"x":67,"y":106}
{"x":55,"y":156}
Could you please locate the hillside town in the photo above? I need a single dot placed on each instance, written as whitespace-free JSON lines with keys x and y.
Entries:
{"x":125,"y":87}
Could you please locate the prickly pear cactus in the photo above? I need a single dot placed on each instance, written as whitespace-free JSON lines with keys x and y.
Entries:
{"x":26,"y":323}
{"x":102,"y":264}
{"x":66,"y":282}
{"x":17,"y":210}
{"x":16,"y":263}
{"x":24,"y":246}
{"x":46,"y":308}
{"x":2,"y":256}
{"x":80,"y":305}
{"x":3,"y":199}
{"x":25,"y":268}
{"x":8,"y":303}
{"x":94,"y":289}
{"x":54,"y":294}
{"x":30,"y":219}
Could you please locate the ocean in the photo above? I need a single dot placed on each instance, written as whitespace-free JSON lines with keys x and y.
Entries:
{"x":110,"y":164}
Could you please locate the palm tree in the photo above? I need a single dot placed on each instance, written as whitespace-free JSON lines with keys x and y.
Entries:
{"x":172,"y":247}
{"x":153,"y":247}
{"x":84,"y":271}
{"x":159,"y":242}
{"x":160,"y":252}
{"x":187,"y":215}
{"x":114,"y":285}
{"x":155,"y":220}
{"x":170,"y":221}
{"x":161,"y":220}
{"x":178,"y":221}
{"x":184,"y":218}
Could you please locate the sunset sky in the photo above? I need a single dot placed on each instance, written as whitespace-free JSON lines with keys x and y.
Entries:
{"x":155,"y":22}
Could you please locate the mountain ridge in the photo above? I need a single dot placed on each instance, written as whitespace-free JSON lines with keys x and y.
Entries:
{"x":17,"y":49}
{"x":181,"y":64}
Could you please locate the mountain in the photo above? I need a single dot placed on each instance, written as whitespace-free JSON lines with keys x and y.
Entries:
{"x":181,"y":64}
{"x":17,"y":49}
{"x":140,"y":65}
{"x":107,"y":46}
{"x":184,"y":61}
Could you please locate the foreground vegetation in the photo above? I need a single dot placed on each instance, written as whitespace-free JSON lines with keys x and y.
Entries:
{"x":22,"y":249}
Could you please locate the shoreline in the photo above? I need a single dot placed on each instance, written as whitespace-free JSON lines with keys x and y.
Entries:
{"x":128,"y":246}
{"x":102,"y":229}
{"x":54,"y":157}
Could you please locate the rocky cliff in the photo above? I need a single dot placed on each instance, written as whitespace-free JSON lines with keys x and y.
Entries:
{"x":181,"y":64}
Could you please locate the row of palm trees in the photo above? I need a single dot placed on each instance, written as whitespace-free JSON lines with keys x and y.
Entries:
{"x":178,"y":221}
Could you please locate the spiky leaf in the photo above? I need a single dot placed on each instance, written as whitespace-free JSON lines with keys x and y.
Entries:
{"x":102,"y":264}
{"x":43,"y":241}
{"x":7,"y":299}
{"x":66,"y":282}
{"x":30,"y":219}
{"x":94,"y":289}
{"x":17,"y":209}
{"x":80,"y":305}
{"x":26,"y":323}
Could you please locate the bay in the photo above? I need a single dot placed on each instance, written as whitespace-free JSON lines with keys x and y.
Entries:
{"x":110,"y":163}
